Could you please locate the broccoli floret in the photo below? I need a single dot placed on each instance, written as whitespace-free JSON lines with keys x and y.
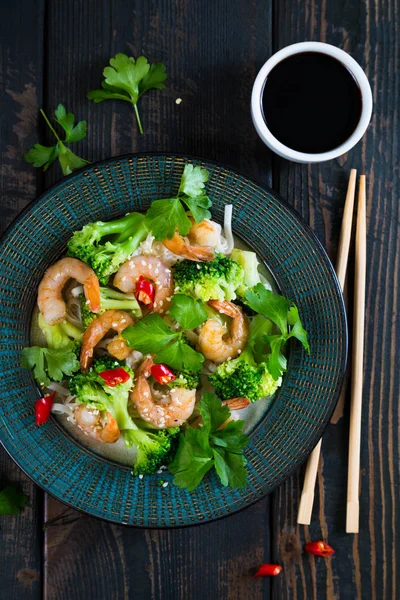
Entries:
{"x":189,"y":381}
{"x":110,"y":300}
{"x":122,"y":237}
{"x":60,"y":335}
{"x":92,"y":389}
{"x":214,"y":280}
{"x":153,"y":447}
{"x":242,"y":377}
{"x":249,"y":263}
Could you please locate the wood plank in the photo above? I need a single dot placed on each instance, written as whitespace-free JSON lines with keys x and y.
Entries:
{"x":21,"y":82}
{"x":365,"y":564}
{"x":211,"y":66}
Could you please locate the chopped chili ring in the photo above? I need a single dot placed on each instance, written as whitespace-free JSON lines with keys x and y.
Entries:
{"x":268,"y":570}
{"x":319,"y":549}
{"x":145,"y":291}
{"x":162,"y":373}
{"x":43,"y":408}
{"x":114,"y":377}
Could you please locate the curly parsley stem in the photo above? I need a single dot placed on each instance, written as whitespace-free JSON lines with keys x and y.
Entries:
{"x":49,"y":124}
{"x":138,"y":118}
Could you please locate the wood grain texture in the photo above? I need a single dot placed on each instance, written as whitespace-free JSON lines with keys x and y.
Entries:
{"x":365,"y":564}
{"x":21,"y":80}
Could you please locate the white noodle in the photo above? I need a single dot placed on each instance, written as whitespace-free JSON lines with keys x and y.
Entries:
{"x":133,"y":359}
{"x":228,"y":227}
{"x":77,"y":291}
{"x":60,"y":389}
{"x":74,"y":311}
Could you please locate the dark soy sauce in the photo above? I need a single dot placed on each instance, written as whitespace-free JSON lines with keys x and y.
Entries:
{"x":311,"y":102}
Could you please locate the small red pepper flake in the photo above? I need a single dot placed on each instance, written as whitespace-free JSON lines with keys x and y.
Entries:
{"x":145,"y":291}
{"x":162,"y":373}
{"x":319,"y":549}
{"x":114,"y":377}
{"x":268,"y":570}
{"x":43,"y":408}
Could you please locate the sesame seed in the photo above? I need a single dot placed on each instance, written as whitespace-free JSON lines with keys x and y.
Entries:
{"x":156,"y":271}
{"x":144,"y":263}
{"x":168,"y":298}
{"x":155,"y":304}
{"x":178,"y":100}
{"x":168,"y":270}
{"x":229,"y":358}
{"x":124,"y":278}
{"x":161,"y":302}
{"x":197,"y":266}
{"x":173,"y":390}
{"x":165,"y":484}
{"x":239,"y":352}
{"x":161,"y":311}
{"x":87,"y":302}
{"x":177,"y":288}
{"x":159,"y":471}
{"x":147,"y":374}
{"x":114,"y":324}
{"x":140,"y":476}
{"x":150,"y":266}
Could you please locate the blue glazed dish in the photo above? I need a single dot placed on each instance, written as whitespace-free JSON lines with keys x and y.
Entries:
{"x":301,"y":409}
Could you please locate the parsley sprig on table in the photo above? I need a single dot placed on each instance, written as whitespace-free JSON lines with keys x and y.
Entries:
{"x":151,"y":335}
{"x":127,"y":79}
{"x":44,"y":156}
{"x":279,"y":310}
{"x":209,"y":447}
{"x":166,"y":215}
{"x":12,"y":501}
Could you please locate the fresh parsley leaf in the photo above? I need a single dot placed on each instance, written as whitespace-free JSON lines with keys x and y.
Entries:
{"x":180,"y":356}
{"x":12,"y":501}
{"x":44,"y":156}
{"x":127,"y":79}
{"x":201,"y":449}
{"x":193,"y":181}
{"x":149,"y":335}
{"x":167,"y":215}
{"x":50,"y":364}
{"x":73,"y":133}
{"x":273,"y":306}
{"x":260,"y":326}
{"x":189,"y":313}
{"x":297,"y":329}
{"x":277,"y":360}
{"x":193,"y":459}
{"x":230,"y":468}
{"x":68,"y":160}
{"x":213,"y":412}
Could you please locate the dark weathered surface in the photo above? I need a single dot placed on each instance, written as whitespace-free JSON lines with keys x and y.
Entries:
{"x":212,"y":52}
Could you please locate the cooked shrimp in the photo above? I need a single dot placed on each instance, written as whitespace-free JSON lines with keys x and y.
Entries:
{"x":218,"y":344}
{"x":202,"y":237}
{"x":151,"y":268}
{"x":173,"y":414}
{"x":102,"y":427}
{"x":236,"y":403}
{"x":50,"y":300}
{"x":110,"y":319}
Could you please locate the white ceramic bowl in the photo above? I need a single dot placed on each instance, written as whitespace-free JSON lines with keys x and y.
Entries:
{"x":256,"y":102}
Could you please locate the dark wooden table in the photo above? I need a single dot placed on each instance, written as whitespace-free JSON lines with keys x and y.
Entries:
{"x":54,"y":51}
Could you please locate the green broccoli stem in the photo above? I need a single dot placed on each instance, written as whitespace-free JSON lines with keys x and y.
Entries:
{"x":135,"y":226}
{"x":60,"y":335}
{"x":123,"y":225}
{"x":113,"y":300}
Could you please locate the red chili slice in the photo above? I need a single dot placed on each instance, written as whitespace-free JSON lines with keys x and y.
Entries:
{"x":114,"y":377}
{"x":319,"y":549}
{"x":162,"y":373}
{"x":43,"y":408}
{"x":145,"y":291}
{"x":268,"y":570}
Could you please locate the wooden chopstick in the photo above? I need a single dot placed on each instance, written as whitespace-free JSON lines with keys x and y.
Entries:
{"x":307,"y":495}
{"x":353,"y":474}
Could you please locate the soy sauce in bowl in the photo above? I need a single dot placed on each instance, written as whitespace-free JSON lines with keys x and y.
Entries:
{"x":311,"y":102}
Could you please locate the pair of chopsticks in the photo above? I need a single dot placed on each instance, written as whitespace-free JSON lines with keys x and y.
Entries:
{"x":307,"y":496}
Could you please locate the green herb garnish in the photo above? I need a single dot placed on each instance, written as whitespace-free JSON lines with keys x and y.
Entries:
{"x":12,"y":501}
{"x":209,"y":447}
{"x":166,"y":215}
{"x":279,"y":310}
{"x":49,"y":364}
{"x":127,"y":79}
{"x":44,"y":156}
{"x":151,"y":335}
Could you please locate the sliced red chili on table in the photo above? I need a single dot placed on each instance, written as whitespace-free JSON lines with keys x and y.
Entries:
{"x":114,"y":377}
{"x":145,"y":291}
{"x":319,"y":549}
{"x":43,"y":408}
{"x":268,"y":570}
{"x":162,"y":373}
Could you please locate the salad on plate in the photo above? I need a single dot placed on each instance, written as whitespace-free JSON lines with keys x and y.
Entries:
{"x":156,"y":331}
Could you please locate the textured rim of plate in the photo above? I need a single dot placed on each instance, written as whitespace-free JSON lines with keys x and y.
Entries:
{"x":170,"y":499}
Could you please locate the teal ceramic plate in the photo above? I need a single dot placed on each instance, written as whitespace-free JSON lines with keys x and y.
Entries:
{"x":301,"y":409}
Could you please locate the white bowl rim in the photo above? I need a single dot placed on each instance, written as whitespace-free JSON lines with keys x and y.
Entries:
{"x":256,"y":98}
